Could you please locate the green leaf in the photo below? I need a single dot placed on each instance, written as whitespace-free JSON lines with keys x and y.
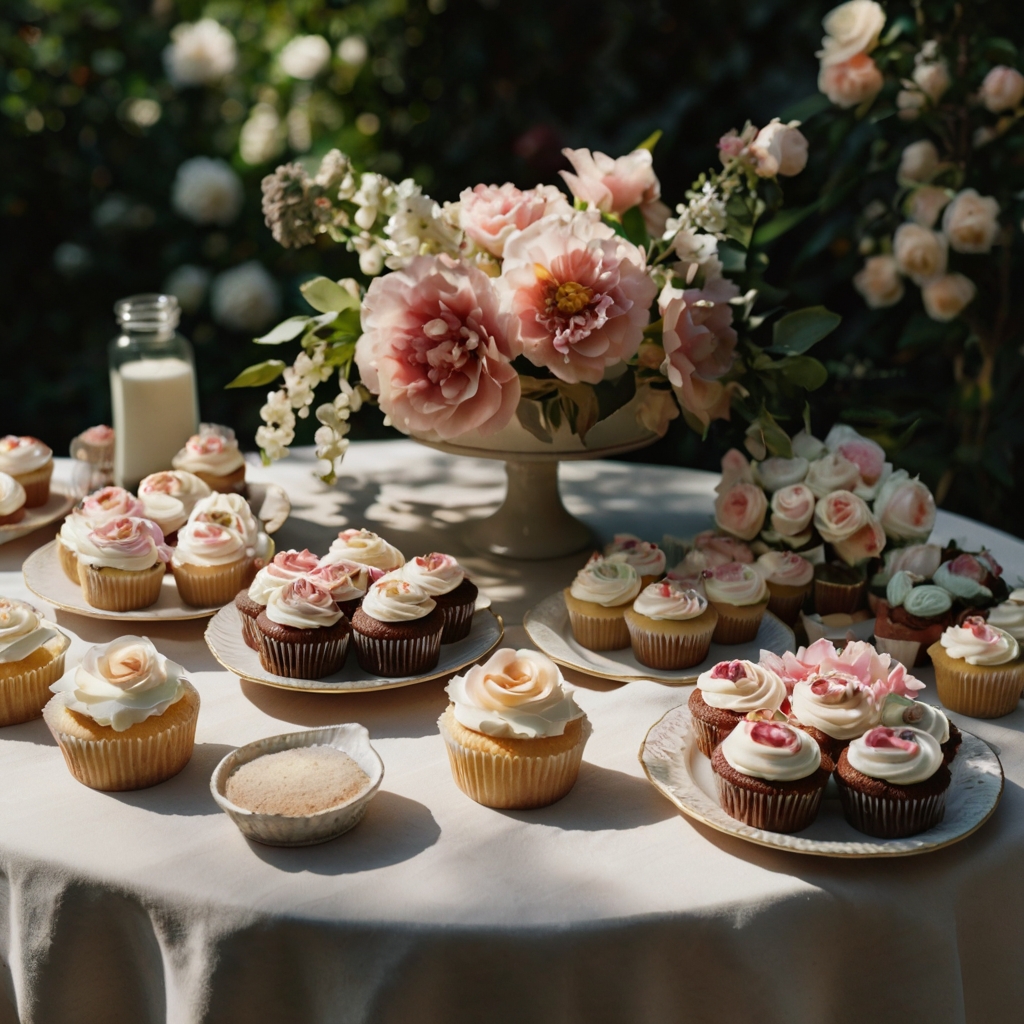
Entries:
{"x":804,"y":371}
{"x":806,"y":108}
{"x":634,"y":227}
{"x":258,"y":375}
{"x":765,"y":436}
{"x":784,"y":221}
{"x":612,"y":395}
{"x":579,"y":403}
{"x":733,"y":257}
{"x":652,"y":140}
{"x":531,"y":415}
{"x":796,"y":332}
{"x":284,"y":331}
{"x":327,"y":296}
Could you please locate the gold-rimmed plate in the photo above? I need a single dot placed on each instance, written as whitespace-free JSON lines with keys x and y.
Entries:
{"x":63,"y":496}
{"x":676,"y":768}
{"x":547,"y":625}
{"x":224,"y":638}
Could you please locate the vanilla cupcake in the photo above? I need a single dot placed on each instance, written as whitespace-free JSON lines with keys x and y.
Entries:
{"x":513,"y":731}
{"x":978,"y":669}
{"x":645,"y":556}
{"x":445,"y":581}
{"x":366,"y":548}
{"x":790,"y":579}
{"x":121,"y":564}
{"x":286,"y":567}
{"x":211,"y":563}
{"x":214,"y":457}
{"x":94,"y":510}
{"x":125,"y":718}
{"x":739,"y":594}
{"x":12,"y":500}
{"x":303,"y":634}
{"x":597,"y":602}
{"x":30,"y":462}
{"x":670,"y":626}
{"x":834,"y":709}
{"x":397,"y":629}
{"x":1009,"y":615}
{"x":31,"y":659}
{"x":169,"y":497}
{"x":233,"y":511}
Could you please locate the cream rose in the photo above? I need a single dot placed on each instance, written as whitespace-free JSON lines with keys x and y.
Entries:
{"x":905,"y":508}
{"x":851,"y":83}
{"x":779,"y":149}
{"x":840,"y":515}
{"x":792,"y":509}
{"x":919,"y":161}
{"x":834,"y":472}
{"x":932,"y":78}
{"x":921,"y":254}
{"x":879,"y":282}
{"x":971,"y":222}
{"x":948,"y":296}
{"x":925,"y":204}
{"x":910,"y":103}
{"x":851,"y":28}
{"x":1002,"y":89}
{"x":867,"y":542}
{"x":741,"y":510}
{"x":775,"y":473}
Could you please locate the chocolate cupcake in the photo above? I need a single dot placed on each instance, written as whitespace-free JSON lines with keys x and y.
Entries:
{"x":898,"y":711}
{"x":303,"y":634}
{"x":443,"y":579}
{"x":286,"y":567}
{"x":911,"y":619}
{"x":397,"y":629}
{"x":838,"y":588}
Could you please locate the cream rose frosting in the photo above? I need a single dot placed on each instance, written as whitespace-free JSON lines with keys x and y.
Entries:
{"x":834,"y":472}
{"x":741,"y":686}
{"x":169,"y":497}
{"x":434,"y":573}
{"x":519,"y":694}
{"x":213,"y":450}
{"x":670,"y":600}
{"x":392,"y":599}
{"x":646,"y":557}
{"x":898,"y":711}
{"x":606,"y":582}
{"x":367,"y":548}
{"x":735,"y":583}
{"x":128,"y":543}
{"x":208,"y":544}
{"x":122,"y":683}
{"x":1009,"y":616}
{"x":22,"y":630}
{"x":792,"y":509}
{"x":772,"y":751}
{"x":785,"y":568}
{"x":286,"y":566}
{"x":231,"y":510}
{"x":12,"y":495}
{"x":302,"y":604}
{"x":22,"y":454}
{"x":840,"y":707}
{"x":902,"y":756}
{"x":345,"y":581}
{"x":978,"y":643}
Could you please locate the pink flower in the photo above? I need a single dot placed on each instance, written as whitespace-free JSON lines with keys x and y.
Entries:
{"x":130,"y":536}
{"x":840,"y":515}
{"x":108,"y":503}
{"x":779,"y":149}
{"x":922,"y":559}
{"x":905,"y":508}
{"x":736,"y":469}
{"x":290,"y":565}
{"x":490,"y":213}
{"x":437,"y":350}
{"x":867,"y":542}
{"x":612,"y":185}
{"x":792,"y":508}
{"x":579,"y":294}
{"x":731,"y":549}
{"x":741,"y":510}
{"x":867,"y":455}
{"x":852,"y":82}
{"x":1002,"y":89}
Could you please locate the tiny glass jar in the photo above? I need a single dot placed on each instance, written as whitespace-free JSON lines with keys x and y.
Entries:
{"x":152,"y":387}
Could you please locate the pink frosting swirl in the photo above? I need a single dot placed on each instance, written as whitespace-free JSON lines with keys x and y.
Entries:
{"x":729,"y":548}
{"x":344,"y":581}
{"x":203,"y":543}
{"x":792,"y":509}
{"x":670,"y":600}
{"x":785,"y":568}
{"x":645,"y":556}
{"x":292,"y":564}
{"x":302,"y":604}
{"x":127,"y":543}
{"x":435,"y":573}
{"x":100,"y":434}
{"x":109,"y":503}
{"x":735,"y":583}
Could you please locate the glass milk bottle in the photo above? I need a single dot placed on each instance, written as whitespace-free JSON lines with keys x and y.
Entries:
{"x":152,"y":387}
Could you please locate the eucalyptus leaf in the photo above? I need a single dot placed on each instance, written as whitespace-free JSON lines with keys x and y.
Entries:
{"x":796,"y":332}
{"x":284,"y":331}
{"x":327,"y":296}
{"x":258,"y":375}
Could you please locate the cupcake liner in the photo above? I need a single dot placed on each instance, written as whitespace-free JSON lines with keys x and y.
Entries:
{"x":205,"y":590}
{"x":127,"y":761}
{"x":733,"y":628}
{"x":397,"y":657}
{"x":37,"y":485}
{"x":669,"y":651}
{"x":775,"y":812}
{"x":597,"y":633}
{"x":24,"y":695}
{"x":458,"y":621}
{"x":68,"y":562}
{"x":904,"y":651}
{"x":890,"y":819}
{"x":301,"y":660}
{"x":830,"y":598}
{"x":784,"y":603}
{"x":708,"y":735}
{"x":979,"y":695}
{"x":513,"y":782}
{"x":122,"y":592}
{"x":250,"y":634}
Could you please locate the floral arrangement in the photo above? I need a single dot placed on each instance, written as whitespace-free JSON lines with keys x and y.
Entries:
{"x":530,"y":304}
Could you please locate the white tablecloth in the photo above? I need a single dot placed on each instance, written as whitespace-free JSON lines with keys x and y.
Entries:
{"x":608,"y":906}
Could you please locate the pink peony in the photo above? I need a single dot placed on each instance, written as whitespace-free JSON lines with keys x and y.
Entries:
{"x":579,"y":293}
{"x":437,"y":350}
{"x":741,"y":510}
{"x":490,"y":213}
{"x":612,"y":185}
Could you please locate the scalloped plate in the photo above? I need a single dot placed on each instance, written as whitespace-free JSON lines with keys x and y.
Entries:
{"x":677,"y":769}
{"x":63,"y":496}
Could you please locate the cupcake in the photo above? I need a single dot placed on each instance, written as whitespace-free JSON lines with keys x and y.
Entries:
{"x":121,"y":564}
{"x":95,"y":446}
{"x":445,"y":581}
{"x":670,"y":626}
{"x":597,"y":601}
{"x":790,"y":579}
{"x":233,"y":511}
{"x":893,"y":782}
{"x":770,"y":775}
{"x":169,"y":497}
{"x":30,"y":462}
{"x":286,"y":567}
{"x":397,"y":629}
{"x":978,"y":669}
{"x":94,"y":510}
{"x":31,"y":659}
{"x":645,"y":556}
{"x":838,"y":588}
{"x":514,"y":733}
{"x":920,"y":560}
{"x":899,"y":710}
{"x":12,"y":500}
{"x":1009,"y":615}
{"x":346,"y":581}
{"x":214,"y":457}
{"x":303,"y":634}
{"x":739,"y":594}
{"x":726,"y":694}
{"x":911,"y":618}
{"x":973,"y":579}
{"x":211,"y":563}
{"x":125,"y":718}
{"x":366,"y":548}
{"x":834,"y":708}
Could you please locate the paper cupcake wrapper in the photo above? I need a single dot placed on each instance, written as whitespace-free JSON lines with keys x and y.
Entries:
{"x":123,"y":592}
{"x":397,"y":657}
{"x":458,"y":621}
{"x":23,"y":696}
{"x":250,"y":634}
{"x":904,"y":651}
{"x":512,"y":782}
{"x":786,"y":607}
{"x":734,"y":629}
{"x":37,"y":485}
{"x":302,"y":661}
{"x":668,"y":651}
{"x":68,"y":562}
{"x":988,"y":695}
{"x":781,"y":812}
{"x":206,"y":590}
{"x":890,"y":819}
{"x":708,"y":736}
{"x":599,"y":634}
{"x":830,"y":598}
{"x":126,"y":762}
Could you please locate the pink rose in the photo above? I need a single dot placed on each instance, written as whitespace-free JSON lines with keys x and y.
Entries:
{"x":130,"y":536}
{"x":1002,"y":89}
{"x":920,"y":559}
{"x":866,"y":543}
{"x":779,"y":149}
{"x":612,"y":185}
{"x":290,"y":565}
{"x":865,"y":454}
{"x":905,"y":508}
{"x":736,"y":468}
{"x":108,"y":503}
{"x":437,"y":350}
{"x":833,"y":472}
{"x":840,"y":515}
{"x":946,"y":297}
{"x":740,"y":510}
{"x":851,"y":83}
{"x":490,"y":213}
{"x":579,"y":294}
{"x":731,"y":549}
{"x":792,"y":509}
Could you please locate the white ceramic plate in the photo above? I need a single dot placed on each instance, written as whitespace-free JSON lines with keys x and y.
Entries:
{"x":63,"y":496}
{"x":224,"y":638}
{"x":682,"y":773}
{"x":547,"y":625}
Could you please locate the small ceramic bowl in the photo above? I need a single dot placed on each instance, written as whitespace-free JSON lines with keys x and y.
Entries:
{"x":283,"y":830}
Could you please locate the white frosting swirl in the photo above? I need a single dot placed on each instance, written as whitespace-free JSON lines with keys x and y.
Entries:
{"x":392,"y":599}
{"x":264,"y":584}
{"x":772,"y":751}
{"x":902,"y":756}
{"x":345,"y":581}
{"x":20,"y":455}
{"x":837,"y":705}
{"x":122,"y":683}
{"x":978,"y":643}
{"x":645,"y":556}
{"x":207,"y":544}
{"x":514,"y":693}
{"x":12,"y":495}
{"x":365,"y":547}
{"x":213,"y":450}
{"x":735,"y":583}
{"x":22,"y":630}
{"x":898,"y":711}
{"x":169,"y":497}
{"x":833,"y":472}
{"x":741,"y":686}
{"x":1009,"y":616}
{"x":286,"y":566}
{"x":302,"y":604}
{"x":434,"y":573}
{"x":127,"y":543}
{"x":230,"y":510}
{"x":785,"y":568}
{"x":606,"y":582}
{"x":670,"y":600}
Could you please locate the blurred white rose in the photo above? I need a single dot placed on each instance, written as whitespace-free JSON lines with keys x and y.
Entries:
{"x":920,"y":253}
{"x":910,"y":103}
{"x":919,"y":161}
{"x":305,"y":56}
{"x":188,"y":285}
{"x":971,"y":221}
{"x":946,"y":297}
{"x":851,"y":83}
{"x":851,"y":28}
{"x":245,"y":298}
{"x":926,"y":203}
{"x":261,"y":138}
{"x":200,"y":53}
{"x":879,"y":282}
{"x":1002,"y":89}
{"x":207,"y":191}
{"x":352,"y":50}
{"x":932,"y":79}
{"x":779,"y":149}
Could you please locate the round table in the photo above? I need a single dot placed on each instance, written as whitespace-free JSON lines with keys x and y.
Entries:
{"x":608,"y":906}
